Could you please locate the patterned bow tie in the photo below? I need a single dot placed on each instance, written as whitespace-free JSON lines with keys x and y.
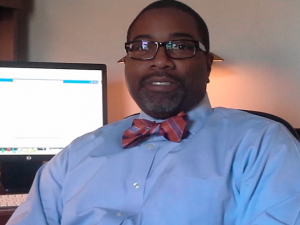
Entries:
{"x":172,"y":129}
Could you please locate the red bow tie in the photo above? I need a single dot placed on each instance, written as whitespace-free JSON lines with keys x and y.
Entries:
{"x":172,"y":129}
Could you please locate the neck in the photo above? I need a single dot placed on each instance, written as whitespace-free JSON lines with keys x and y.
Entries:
{"x":162,"y":115}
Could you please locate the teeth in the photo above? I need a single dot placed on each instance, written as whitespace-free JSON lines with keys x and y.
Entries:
{"x":161,"y":83}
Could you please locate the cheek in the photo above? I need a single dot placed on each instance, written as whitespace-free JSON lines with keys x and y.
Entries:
{"x":196,"y":80}
{"x":129,"y":73}
{"x":134,"y":69}
{"x":132,"y":76}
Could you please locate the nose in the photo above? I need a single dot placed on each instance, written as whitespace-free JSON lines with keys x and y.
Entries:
{"x":162,"y":60}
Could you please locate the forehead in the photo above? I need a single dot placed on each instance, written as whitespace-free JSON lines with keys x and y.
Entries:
{"x":163,"y":24}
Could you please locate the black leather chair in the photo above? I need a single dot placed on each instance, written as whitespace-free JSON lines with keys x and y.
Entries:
{"x":275,"y":118}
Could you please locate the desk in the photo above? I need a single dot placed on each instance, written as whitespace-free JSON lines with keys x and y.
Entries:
{"x":5,"y":214}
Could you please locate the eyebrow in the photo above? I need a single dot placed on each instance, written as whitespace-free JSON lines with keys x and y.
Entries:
{"x":172,"y":35}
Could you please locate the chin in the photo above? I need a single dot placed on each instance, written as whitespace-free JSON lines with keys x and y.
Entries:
{"x":161,"y":102}
{"x":161,"y":115}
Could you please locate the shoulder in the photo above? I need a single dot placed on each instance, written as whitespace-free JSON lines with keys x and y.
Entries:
{"x":252,"y":122}
{"x":243,"y":117}
{"x":104,"y":141}
{"x":252,"y":136}
{"x":110,"y":134}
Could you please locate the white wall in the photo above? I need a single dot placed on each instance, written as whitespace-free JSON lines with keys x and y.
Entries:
{"x":259,"y":40}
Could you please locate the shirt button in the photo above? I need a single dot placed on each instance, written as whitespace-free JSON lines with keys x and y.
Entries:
{"x":119,"y":214}
{"x":150,"y":146}
{"x":136,"y":185}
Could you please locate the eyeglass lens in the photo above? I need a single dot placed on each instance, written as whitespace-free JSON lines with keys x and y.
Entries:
{"x":175,"y":49}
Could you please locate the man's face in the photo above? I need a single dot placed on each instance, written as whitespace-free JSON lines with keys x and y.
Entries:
{"x":162,"y":87}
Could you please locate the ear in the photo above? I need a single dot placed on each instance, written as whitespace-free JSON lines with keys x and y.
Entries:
{"x":209,"y":62}
{"x":122,"y":60}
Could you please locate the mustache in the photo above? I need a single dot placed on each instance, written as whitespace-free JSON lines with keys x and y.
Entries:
{"x":161,"y":74}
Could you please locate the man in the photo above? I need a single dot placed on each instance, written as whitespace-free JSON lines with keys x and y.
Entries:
{"x":224,"y":167}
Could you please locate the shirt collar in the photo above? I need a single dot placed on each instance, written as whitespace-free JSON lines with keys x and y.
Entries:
{"x":197,"y":116}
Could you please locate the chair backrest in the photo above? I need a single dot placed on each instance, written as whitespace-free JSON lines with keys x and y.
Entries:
{"x":277,"y":119}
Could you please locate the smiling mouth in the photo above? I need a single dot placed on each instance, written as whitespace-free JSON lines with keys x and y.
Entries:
{"x":161,"y":83}
{"x":161,"y":86}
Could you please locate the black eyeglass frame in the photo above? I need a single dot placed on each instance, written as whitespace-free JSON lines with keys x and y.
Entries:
{"x":198,"y":45}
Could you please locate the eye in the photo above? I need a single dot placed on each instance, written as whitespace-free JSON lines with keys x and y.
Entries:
{"x":139,"y":46}
{"x":182,"y":45}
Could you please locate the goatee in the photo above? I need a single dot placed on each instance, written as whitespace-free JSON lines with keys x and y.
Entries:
{"x":161,"y":102}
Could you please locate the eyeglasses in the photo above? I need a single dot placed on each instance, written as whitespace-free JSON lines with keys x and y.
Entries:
{"x":177,"y":49}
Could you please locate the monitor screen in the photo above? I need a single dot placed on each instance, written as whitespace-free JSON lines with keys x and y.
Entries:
{"x":44,"y":106}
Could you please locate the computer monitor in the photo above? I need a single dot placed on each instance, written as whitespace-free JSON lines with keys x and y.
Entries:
{"x":43,"y":107}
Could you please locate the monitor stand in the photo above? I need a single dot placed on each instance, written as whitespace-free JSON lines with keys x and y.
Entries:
{"x":17,"y":177}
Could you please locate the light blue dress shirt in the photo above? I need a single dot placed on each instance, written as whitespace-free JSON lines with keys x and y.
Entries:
{"x":233,"y":169}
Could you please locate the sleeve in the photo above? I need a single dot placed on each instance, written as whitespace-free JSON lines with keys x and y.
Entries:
{"x":44,"y":205}
{"x":269,"y":191}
